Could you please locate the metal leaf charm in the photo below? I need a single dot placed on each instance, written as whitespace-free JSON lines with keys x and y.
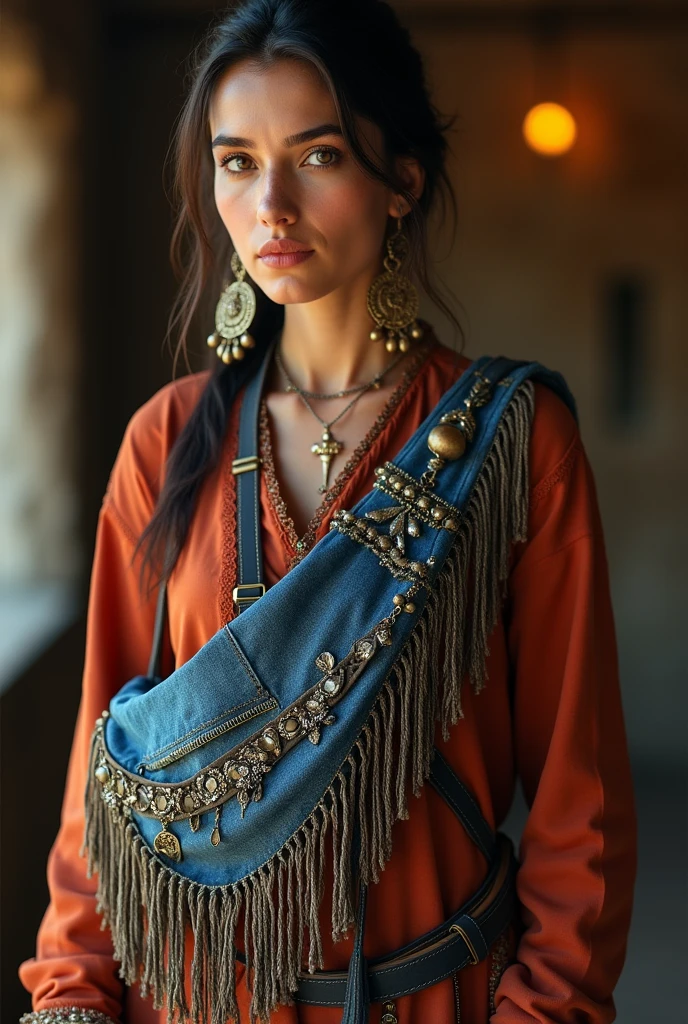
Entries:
{"x":325,"y":661}
{"x":413,"y":527}
{"x":257,"y":793}
{"x":380,"y":515}
{"x":397,"y":526}
{"x":314,"y":735}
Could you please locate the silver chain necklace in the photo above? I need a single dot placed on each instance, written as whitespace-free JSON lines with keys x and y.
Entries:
{"x":328,"y":446}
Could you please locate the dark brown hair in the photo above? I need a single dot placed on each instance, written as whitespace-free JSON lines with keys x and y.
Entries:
{"x":367,"y":60}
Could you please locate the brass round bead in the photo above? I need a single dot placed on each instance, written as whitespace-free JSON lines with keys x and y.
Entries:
{"x":423,"y":502}
{"x":237,"y":352}
{"x":227,"y":356}
{"x":371,"y":533}
{"x":398,"y":484}
{"x":404,"y":344}
{"x":399,"y":600}
{"x":384,"y":543}
{"x":409,"y":607}
{"x":379,"y":471}
{"x":437,"y":513}
{"x":409,"y":492}
{"x":451,"y":524}
{"x":447,"y":441}
{"x":417,"y":566}
{"x":416,"y":331}
{"x":391,"y":344}
{"x":376,"y":335}
{"x":247,"y":341}
{"x":214,"y":340}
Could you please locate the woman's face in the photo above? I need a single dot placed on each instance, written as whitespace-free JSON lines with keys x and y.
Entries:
{"x":283,"y":171}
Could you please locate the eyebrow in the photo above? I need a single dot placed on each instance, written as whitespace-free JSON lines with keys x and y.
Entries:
{"x":291,"y":140}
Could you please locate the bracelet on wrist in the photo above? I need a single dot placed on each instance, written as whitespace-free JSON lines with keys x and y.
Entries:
{"x":66,"y":1015}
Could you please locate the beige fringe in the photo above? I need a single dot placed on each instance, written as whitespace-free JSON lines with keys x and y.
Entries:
{"x":281,"y":899}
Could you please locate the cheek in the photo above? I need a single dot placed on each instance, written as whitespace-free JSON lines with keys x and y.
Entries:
{"x":351,"y":216}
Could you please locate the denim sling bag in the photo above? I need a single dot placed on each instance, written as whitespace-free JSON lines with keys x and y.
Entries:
{"x":302,"y":724}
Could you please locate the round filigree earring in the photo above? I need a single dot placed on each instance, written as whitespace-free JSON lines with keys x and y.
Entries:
{"x":393,"y":299}
{"x":233,"y":316}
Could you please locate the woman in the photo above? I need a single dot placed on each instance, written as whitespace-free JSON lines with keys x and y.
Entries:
{"x":309,"y":148}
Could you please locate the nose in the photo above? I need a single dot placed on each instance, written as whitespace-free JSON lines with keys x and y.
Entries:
{"x":275,"y":206}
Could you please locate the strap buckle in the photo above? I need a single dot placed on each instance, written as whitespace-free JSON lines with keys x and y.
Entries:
{"x":242,"y":601}
{"x":246,"y":464}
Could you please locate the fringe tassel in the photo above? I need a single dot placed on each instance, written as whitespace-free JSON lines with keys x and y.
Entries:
{"x":150,"y":909}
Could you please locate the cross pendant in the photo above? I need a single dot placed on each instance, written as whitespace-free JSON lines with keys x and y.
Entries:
{"x":326,"y":451}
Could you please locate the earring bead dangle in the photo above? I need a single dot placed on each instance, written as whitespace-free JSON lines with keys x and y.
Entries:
{"x":393,"y":299}
{"x":233,"y":316}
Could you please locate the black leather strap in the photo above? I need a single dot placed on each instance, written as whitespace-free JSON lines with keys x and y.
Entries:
{"x":158,"y":632}
{"x":448,"y":784}
{"x":249,"y":583}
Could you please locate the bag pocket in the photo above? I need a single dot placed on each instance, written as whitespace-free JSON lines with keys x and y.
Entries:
{"x":216,"y":692}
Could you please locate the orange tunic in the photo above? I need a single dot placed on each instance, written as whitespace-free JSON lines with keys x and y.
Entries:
{"x":554,"y":643}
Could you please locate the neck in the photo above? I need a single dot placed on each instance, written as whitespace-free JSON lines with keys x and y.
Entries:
{"x":326,"y":343}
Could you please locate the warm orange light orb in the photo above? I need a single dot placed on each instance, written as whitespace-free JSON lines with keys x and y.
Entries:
{"x":549,"y":129}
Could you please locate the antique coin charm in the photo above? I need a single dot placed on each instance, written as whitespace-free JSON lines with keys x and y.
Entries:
{"x":167,"y":843}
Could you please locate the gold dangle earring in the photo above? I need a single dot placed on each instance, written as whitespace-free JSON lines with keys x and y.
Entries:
{"x":233,"y":315}
{"x":393,"y":299}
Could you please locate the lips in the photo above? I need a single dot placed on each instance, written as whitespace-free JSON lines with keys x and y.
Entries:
{"x":278,"y":246}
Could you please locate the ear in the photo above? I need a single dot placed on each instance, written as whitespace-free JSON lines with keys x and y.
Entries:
{"x":412,"y":174}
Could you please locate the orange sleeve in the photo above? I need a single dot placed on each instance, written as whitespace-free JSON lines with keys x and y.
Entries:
{"x":578,"y":849}
{"x":74,"y":964}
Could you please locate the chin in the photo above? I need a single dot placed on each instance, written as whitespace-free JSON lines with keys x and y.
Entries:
{"x":289,"y":291}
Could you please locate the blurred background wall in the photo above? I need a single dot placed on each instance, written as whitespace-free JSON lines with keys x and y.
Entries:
{"x":580,"y":261}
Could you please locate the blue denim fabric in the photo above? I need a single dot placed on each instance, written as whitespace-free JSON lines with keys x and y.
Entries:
{"x":335,"y":595}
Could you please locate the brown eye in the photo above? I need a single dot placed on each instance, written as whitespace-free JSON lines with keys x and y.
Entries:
{"x":236,"y":163}
{"x":322,"y":157}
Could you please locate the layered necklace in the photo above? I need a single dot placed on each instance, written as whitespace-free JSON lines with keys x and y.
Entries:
{"x":328,"y":446}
